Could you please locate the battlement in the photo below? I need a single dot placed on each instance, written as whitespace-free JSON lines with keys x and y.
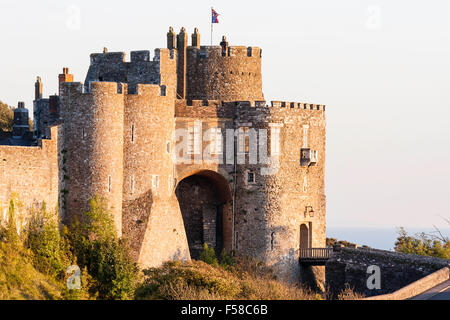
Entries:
{"x":253,"y":104}
{"x":112,"y":88}
{"x":189,"y":108}
{"x":108,"y":57}
{"x":136,"y":56}
{"x":205,"y":52}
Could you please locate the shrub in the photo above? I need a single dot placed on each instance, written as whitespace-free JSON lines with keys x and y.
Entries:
{"x":227,"y":260}
{"x":208,"y":255}
{"x":199,"y":280}
{"x":349,"y":294}
{"x":51,"y":250}
{"x":423,"y":245}
{"x":107,"y":259}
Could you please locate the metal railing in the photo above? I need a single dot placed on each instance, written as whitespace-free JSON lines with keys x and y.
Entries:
{"x":315,"y":253}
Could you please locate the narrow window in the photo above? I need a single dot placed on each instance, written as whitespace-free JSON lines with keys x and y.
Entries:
{"x":155,"y":181}
{"x":250,"y":177}
{"x":132,"y":132}
{"x":109,"y":183}
{"x":83,"y":133}
{"x":168,"y":146}
{"x":194,"y":139}
{"x":216,"y":141}
{"x":272,"y":236}
{"x":275,"y":141}
{"x":305,"y":136}
{"x":243,"y":140}
{"x":132,"y":184}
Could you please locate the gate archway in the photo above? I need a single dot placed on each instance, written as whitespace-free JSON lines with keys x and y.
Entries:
{"x":206,"y":206}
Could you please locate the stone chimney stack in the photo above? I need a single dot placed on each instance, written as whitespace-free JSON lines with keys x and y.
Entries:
{"x":64,"y":77}
{"x":182,"y":41}
{"x":38,"y":89}
{"x":196,"y":38}
{"x":20,"y":125}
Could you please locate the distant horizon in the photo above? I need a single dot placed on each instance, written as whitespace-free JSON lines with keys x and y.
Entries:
{"x":376,"y":237}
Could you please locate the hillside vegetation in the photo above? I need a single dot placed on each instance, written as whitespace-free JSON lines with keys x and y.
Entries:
{"x":434,"y":245}
{"x":232,"y":278}
{"x":34,"y":264}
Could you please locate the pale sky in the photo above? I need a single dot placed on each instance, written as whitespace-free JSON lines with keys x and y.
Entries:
{"x":381,"y":67}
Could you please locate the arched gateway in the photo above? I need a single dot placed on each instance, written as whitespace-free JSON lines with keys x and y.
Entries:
{"x":206,"y":206}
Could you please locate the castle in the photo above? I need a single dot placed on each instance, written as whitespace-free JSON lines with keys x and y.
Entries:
{"x":184,"y":149}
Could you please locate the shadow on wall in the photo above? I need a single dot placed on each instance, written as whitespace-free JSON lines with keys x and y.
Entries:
{"x":135,"y":218}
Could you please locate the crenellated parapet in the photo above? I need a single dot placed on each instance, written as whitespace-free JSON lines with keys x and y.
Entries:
{"x":230,"y":74}
{"x":208,"y":108}
{"x":141,"y":69}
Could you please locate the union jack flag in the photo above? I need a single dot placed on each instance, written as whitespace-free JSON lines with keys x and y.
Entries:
{"x":215,"y":16}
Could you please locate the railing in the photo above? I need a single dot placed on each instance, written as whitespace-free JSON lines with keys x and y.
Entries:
{"x":312,"y":254}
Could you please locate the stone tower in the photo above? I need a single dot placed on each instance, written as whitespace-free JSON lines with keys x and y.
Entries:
{"x":186,"y":151}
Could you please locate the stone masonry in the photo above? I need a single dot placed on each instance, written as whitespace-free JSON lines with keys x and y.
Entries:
{"x":185,"y":150}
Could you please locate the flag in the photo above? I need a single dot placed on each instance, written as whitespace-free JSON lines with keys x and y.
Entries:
{"x":215,"y":16}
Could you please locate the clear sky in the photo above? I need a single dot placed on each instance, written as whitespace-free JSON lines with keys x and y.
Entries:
{"x":381,"y":67}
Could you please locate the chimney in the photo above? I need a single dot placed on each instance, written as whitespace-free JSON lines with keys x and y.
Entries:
{"x":64,"y":77}
{"x":38,"y":89}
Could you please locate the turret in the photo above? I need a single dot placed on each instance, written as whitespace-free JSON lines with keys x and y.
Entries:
{"x":171,"y":36}
{"x":228,"y":73}
{"x":182,"y":42}
{"x":196,"y":38}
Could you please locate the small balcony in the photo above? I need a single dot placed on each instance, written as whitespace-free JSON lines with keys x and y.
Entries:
{"x":315,"y":256}
{"x":308,"y":157}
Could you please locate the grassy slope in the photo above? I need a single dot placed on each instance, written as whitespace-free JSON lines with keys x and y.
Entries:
{"x":198,"y":280}
{"x":20,"y":280}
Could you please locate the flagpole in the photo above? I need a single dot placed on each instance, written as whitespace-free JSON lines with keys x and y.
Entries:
{"x":211,"y":27}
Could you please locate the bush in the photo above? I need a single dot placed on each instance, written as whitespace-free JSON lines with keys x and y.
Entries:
{"x":51,"y":250}
{"x":199,"y":280}
{"x":208,"y":255}
{"x":107,"y":259}
{"x":422,"y":245}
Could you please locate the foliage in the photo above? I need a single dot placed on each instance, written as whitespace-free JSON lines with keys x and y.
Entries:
{"x":107,"y":259}
{"x":51,"y":250}
{"x":208,"y":255}
{"x":227,"y":260}
{"x":349,"y":294}
{"x":19,"y":279}
{"x":35,"y":267}
{"x":198,"y":280}
{"x":6,"y":117}
{"x":422,"y":244}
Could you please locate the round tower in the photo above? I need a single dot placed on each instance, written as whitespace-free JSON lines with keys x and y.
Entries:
{"x":227,"y":73}
{"x":93,"y":147}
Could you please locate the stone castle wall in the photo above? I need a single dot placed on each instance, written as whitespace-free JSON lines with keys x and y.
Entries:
{"x":30,"y":175}
{"x":93,"y":146}
{"x":150,"y":208}
{"x":348,"y":267}
{"x":121,"y":142}
{"x":269,"y":212}
{"x":233,"y":77}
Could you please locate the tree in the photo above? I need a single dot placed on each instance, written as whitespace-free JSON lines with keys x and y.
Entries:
{"x":6,"y":117}
{"x":434,"y":244}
